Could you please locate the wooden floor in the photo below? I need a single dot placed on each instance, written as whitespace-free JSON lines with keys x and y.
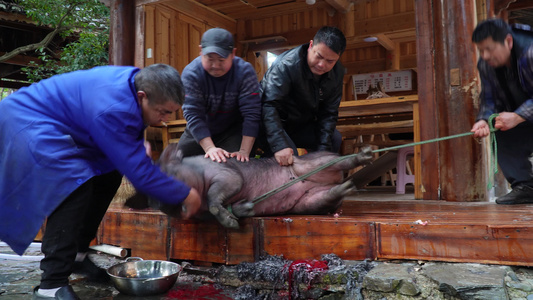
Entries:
{"x":371,"y":225}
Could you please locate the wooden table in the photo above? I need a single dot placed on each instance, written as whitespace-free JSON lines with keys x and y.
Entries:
{"x":376,"y":116}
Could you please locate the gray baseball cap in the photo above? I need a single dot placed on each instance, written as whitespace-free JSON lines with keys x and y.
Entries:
{"x":217,"y":40}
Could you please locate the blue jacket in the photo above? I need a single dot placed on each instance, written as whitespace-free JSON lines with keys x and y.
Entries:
{"x":60,"y":132}
{"x":493,"y":96}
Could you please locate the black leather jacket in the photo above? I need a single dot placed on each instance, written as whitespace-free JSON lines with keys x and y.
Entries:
{"x":293,"y":97}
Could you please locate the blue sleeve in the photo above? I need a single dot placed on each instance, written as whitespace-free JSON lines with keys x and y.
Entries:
{"x":117,"y":134}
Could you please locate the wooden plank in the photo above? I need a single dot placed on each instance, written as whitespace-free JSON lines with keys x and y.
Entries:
{"x":371,"y":107}
{"x":140,"y":28}
{"x":380,"y":166}
{"x":241,"y":242}
{"x":375,"y":229}
{"x":456,"y":243}
{"x":208,"y":241}
{"x":150,"y":34}
{"x":429,"y":186}
{"x":199,"y":241}
{"x":418,"y":152}
{"x":396,"y":22}
{"x":204,"y":13}
{"x":144,"y":232}
{"x":375,"y":128}
{"x":308,"y":237}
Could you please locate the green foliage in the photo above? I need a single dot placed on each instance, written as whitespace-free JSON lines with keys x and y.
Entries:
{"x":84,"y":22}
{"x":4,"y":92}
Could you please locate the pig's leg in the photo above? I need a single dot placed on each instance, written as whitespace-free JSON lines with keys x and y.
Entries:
{"x":310,"y":162}
{"x":323,"y":199}
{"x":222,"y":188}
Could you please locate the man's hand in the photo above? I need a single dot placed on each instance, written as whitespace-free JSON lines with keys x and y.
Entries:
{"x":217,"y":154}
{"x":480,"y":129}
{"x":242,"y":155}
{"x":191,"y":204}
{"x":507,"y":120}
{"x":284,"y":156}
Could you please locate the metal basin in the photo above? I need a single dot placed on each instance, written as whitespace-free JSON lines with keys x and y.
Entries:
{"x":145,"y":277}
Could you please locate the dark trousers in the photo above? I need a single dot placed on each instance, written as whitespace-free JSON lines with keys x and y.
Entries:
{"x":229,"y":140}
{"x":73,"y":225}
{"x":514,"y":148}
{"x":305,"y":136}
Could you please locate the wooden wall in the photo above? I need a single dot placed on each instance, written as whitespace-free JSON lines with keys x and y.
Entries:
{"x":173,"y":31}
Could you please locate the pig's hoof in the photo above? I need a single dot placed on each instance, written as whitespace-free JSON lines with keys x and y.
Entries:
{"x":230,"y":223}
{"x":243,"y":209}
{"x":214,"y":210}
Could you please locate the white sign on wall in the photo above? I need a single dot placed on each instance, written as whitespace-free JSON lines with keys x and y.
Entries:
{"x":392,"y":81}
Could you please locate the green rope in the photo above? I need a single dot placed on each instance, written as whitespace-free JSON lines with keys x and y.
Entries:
{"x":493,"y":158}
{"x":332,"y":162}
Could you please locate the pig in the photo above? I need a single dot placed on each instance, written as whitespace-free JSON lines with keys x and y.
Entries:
{"x":227,"y":189}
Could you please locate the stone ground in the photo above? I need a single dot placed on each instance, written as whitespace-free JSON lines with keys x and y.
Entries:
{"x":265,"y":280}
{"x":19,"y":277}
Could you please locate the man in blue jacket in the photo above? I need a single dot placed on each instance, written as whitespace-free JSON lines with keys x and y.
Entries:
{"x":506,"y":70}
{"x":222,"y":104}
{"x":65,"y":143}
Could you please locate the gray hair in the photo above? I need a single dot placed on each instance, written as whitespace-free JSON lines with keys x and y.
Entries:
{"x":161,"y":83}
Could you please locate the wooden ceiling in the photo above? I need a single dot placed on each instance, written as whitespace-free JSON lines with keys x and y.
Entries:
{"x":249,"y":9}
{"x":521,"y":12}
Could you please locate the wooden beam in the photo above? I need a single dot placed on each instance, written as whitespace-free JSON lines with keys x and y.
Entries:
{"x":199,"y":11}
{"x":428,"y":176}
{"x":293,"y":38}
{"x":518,"y":5}
{"x":384,"y":41}
{"x":366,"y":66}
{"x":276,"y":10}
{"x":393,"y":23}
{"x":122,"y":30}
{"x":342,"y":6}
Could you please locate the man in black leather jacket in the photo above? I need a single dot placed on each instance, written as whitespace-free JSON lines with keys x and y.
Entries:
{"x":302,"y":91}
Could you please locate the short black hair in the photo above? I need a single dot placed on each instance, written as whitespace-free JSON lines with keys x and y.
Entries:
{"x":161,"y":83}
{"x":331,"y":37}
{"x":497,"y":29}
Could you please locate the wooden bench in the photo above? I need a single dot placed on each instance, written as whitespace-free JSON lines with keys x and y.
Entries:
{"x":171,"y":131}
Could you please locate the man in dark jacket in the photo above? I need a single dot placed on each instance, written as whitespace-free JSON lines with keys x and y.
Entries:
{"x":506,"y":70}
{"x":301,"y":96}
{"x":222,"y":105}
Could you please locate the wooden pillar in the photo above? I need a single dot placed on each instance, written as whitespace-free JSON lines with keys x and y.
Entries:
{"x":452,"y":170}
{"x":121,"y":36}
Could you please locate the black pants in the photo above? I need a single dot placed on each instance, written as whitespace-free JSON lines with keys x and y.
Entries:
{"x":514,"y":148}
{"x":73,"y":225}
{"x":306,"y":137}
{"x":229,"y":140}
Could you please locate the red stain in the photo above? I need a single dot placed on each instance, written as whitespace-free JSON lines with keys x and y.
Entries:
{"x":204,"y":292}
{"x":311,"y":266}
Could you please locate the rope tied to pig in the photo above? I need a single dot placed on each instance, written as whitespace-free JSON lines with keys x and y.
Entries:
{"x":493,"y":160}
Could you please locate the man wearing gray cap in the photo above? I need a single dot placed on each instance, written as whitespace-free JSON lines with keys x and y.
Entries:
{"x":222,"y":103}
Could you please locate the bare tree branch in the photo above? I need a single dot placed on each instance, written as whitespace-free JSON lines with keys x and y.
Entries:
{"x":44,"y":42}
{"x":31,"y":47}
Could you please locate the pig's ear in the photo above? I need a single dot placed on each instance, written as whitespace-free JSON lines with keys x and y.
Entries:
{"x":169,"y":153}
